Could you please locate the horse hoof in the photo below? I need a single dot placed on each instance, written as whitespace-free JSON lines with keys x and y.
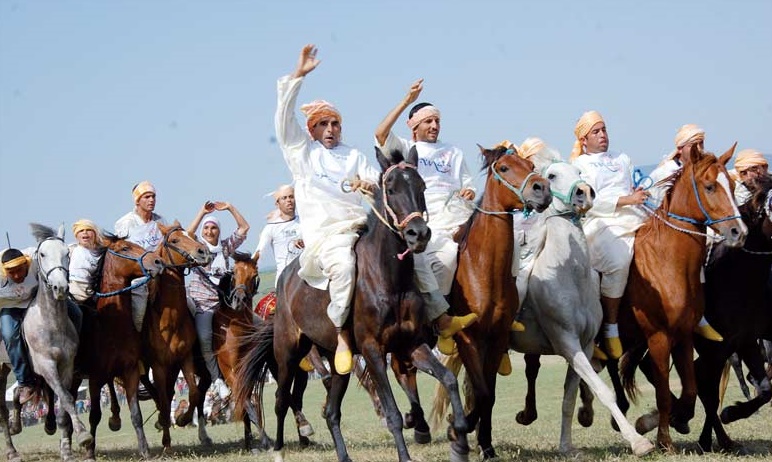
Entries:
{"x":278,"y":456}
{"x":409,"y":420}
{"x":642,"y":447}
{"x":488,"y":453}
{"x":114,"y":423}
{"x":305,"y":429}
{"x":14,"y":426}
{"x":304,"y":442}
{"x":459,"y":453}
{"x":585,"y":417}
{"x":384,"y":422}
{"x":526,"y":418}
{"x":85,"y":439}
{"x":14,"y":457}
{"x":647,"y":422}
{"x":681,"y":427}
{"x":422,"y":437}
{"x":451,"y":433}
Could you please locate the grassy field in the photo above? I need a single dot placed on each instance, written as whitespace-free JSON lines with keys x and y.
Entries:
{"x":368,"y":441}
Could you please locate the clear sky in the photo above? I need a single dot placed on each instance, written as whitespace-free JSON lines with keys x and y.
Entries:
{"x":96,"y":96}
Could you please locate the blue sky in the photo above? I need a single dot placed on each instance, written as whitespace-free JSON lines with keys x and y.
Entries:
{"x":96,"y":96}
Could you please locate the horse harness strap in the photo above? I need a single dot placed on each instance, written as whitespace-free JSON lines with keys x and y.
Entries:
{"x":40,"y":267}
{"x":146,"y":277}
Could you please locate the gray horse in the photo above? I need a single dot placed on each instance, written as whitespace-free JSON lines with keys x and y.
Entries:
{"x":51,"y":336}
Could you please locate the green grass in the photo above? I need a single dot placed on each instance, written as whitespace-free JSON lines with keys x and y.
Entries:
{"x":368,"y":441}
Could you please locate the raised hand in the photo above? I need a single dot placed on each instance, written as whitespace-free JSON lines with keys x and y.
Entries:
{"x":307,"y":61}
{"x":415,"y":90}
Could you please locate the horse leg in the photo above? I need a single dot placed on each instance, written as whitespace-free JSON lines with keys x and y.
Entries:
{"x":406,"y":376}
{"x":163,"y":385}
{"x":682,"y":409}
{"x":612,"y":366}
{"x":659,"y":354}
{"x":586,"y":414}
{"x":424,"y":360}
{"x":529,"y":414}
{"x":299,"y":385}
{"x":50,"y":423}
{"x":130,"y":385}
{"x":581,"y":365}
{"x":10,"y":450}
{"x":94,"y":415}
{"x":367,"y":383}
{"x":734,"y":360}
{"x":114,"y":422}
{"x":709,"y":368}
{"x":753,"y":359}
{"x":372,"y":354}
{"x":570,"y":390}
{"x":52,"y":375}
{"x":194,"y":393}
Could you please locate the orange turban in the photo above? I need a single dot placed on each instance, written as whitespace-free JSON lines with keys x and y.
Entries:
{"x":531,"y":146}
{"x":687,"y":134}
{"x":583,"y":127}
{"x":141,"y":189}
{"x":317,"y":110}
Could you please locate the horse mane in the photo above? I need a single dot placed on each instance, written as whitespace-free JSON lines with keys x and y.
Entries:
{"x":707,"y":160}
{"x":42,"y":232}
{"x":95,"y":280}
{"x":241,"y":257}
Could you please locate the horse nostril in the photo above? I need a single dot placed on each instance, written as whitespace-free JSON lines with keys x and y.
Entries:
{"x":537,"y":187}
{"x":579,"y":192}
{"x":411,"y":232}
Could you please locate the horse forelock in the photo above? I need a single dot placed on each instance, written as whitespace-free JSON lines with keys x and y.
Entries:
{"x":42,"y":232}
{"x":243,"y":257}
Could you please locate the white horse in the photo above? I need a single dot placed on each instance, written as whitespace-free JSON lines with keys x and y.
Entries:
{"x":561,"y":309}
{"x":51,"y":336}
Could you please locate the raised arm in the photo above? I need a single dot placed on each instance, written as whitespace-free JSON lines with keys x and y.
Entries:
{"x":290,"y":135}
{"x":307,"y":61}
{"x":205,"y":210}
{"x":383,"y":129}
{"x":243,"y":226}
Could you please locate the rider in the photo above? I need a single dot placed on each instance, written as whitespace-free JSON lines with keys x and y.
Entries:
{"x":84,"y":259}
{"x":140,"y":226}
{"x":320,"y":165}
{"x":748,"y":165}
{"x":611,"y":223}
{"x":449,"y":192}
{"x":204,"y":280}
{"x":18,"y":287}
{"x":282,"y":233}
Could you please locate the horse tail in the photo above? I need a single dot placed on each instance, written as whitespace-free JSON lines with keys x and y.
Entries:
{"x":441,"y":397}
{"x":628,"y":364}
{"x":252,"y":368}
{"x":723,"y":384}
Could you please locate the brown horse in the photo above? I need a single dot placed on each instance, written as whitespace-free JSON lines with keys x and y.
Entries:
{"x":484,"y":283}
{"x":169,"y":332}
{"x":387,"y":313}
{"x":110,"y":346}
{"x":664,"y":298}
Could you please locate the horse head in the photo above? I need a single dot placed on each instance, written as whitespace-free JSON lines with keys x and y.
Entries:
{"x":53,"y":259}
{"x":757,"y":212}
{"x":244,"y":281}
{"x":574,"y":194}
{"x":124,"y":260}
{"x":402,"y":200}
{"x":178,"y":249}
{"x":711,"y":202}
{"x":511,"y":181}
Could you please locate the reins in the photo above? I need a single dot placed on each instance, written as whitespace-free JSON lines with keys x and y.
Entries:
{"x":146,"y":277}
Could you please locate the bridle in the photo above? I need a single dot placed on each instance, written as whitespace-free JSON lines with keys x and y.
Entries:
{"x":46,"y":274}
{"x":189,"y":259}
{"x":398,"y":226}
{"x":145,"y":276}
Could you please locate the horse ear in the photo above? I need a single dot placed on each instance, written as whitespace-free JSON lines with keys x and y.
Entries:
{"x":724,"y":159}
{"x":60,"y":232}
{"x":383,"y":161}
{"x":176,"y":224}
{"x":692,"y":155}
{"x":412,"y":156}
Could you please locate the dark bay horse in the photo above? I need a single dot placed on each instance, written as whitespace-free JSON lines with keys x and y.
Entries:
{"x":484,"y":283}
{"x":169,"y":331}
{"x":387,"y":314}
{"x":231,"y":323}
{"x":110,"y":345}
{"x":735,"y":304}
{"x":664,"y":297}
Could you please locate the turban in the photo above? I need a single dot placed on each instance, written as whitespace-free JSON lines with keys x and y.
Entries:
{"x":530,"y":147}
{"x":687,"y":134}
{"x":142,"y":188}
{"x":317,"y":110}
{"x":583,"y":127}
{"x":211,"y":219}
{"x":421,"y":115}
{"x":748,"y":158}
{"x":14,"y":262}
{"x":83,"y":225}
{"x":282,"y":190}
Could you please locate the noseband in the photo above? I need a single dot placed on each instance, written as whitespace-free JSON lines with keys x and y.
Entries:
{"x":399,"y":226}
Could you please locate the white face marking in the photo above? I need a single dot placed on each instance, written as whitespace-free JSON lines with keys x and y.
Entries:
{"x":724,"y":182}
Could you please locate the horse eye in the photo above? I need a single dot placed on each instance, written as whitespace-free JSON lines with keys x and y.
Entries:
{"x":551,"y":176}
{"x":125,"y":249}
{"x":710,"y":188}
{"x":42,"y":255}
{"x":174,"y":241}
{"x":503,"y":168}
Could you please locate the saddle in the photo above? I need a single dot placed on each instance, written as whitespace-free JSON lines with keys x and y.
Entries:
{"x":266,"y":306}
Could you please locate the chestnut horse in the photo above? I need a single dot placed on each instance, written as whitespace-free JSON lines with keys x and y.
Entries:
{"x":387,"y":314}
{"x":664,"y":297}
{"x":110,"y":346}
{"x":735,"y":304}
{"x":169,"y":331}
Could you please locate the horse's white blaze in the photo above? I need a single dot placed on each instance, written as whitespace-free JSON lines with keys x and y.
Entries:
{"x":723,"y":180}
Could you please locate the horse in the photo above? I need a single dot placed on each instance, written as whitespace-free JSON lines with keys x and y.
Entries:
{"x":110,"y":346}
{"x":387,"y":313}
{"x":169,"y":332}
{"x":664,"y":298}
{"x":484,"y":283}
{"x":735,"y":286}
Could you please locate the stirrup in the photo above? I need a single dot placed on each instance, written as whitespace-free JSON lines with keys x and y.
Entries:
{"x":457,"y":324}
{"x":344,"y":361}
{"x":505,"y":366}
{"x":707,"y":331}
{"x":613,"y":347}
{"x":517,"y":326}
{"x":446,"y":345}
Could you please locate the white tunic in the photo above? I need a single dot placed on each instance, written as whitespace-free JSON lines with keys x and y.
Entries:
{"x":133,"y":227}
{"x":83,"y":263}
{"x":13,"y":295}
{"x":664,"y":170}
{"x":280,"y":237}
{"x":319,"y":175}
{"x":444,"y":170}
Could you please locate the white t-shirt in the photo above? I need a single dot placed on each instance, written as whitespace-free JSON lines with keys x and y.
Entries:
{"x":14,"y":295}
{"x":146,"y":235}
{"x":280,"y":237}
{"x":83,"y":263}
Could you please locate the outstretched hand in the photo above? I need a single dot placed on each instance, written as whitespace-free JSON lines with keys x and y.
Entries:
{"x":414,"y":92}
{"x":307,"y":61}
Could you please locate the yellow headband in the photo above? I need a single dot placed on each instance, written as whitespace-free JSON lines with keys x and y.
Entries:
{"x":83,"y":225}
{"x":16,"y":262}
{"x":141,"y":189}
{"x":583,"y":127}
